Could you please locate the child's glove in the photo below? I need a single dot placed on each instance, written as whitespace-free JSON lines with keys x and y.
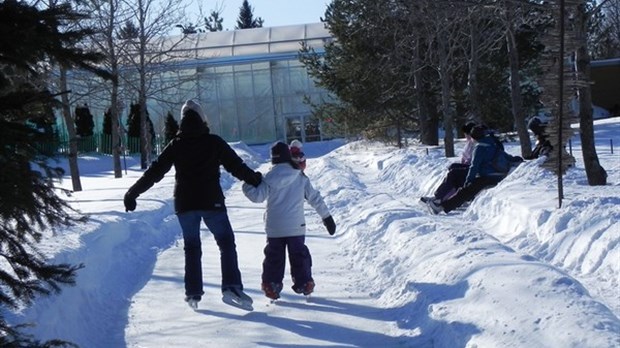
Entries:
{"x":330,"y":225}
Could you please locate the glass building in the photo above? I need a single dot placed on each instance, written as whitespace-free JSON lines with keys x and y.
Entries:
{"x":250,"y":83}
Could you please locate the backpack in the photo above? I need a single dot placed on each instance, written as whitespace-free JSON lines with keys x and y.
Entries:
{"x":498,"y":143}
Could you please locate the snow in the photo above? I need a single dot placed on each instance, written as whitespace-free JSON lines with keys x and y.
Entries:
{"x":512,"y":270}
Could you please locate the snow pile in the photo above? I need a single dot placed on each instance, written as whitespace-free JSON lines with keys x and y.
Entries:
{"x":511,"y":270}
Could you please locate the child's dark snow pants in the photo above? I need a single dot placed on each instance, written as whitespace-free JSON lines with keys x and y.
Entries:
{"x":275,"y":260}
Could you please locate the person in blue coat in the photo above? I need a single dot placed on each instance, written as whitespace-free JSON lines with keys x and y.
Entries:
{"x":455,"y":178}
{"x":285,"y":188}
{"x":197,"y":155}
{"x":489,"y":165}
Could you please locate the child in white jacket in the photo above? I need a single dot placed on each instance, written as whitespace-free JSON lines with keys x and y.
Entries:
{"x":285,"y":188}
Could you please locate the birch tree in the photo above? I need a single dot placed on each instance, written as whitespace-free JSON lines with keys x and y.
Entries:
{"x":107,"y":16}
{"x":443,"y":20}
{"x":513,"y":15}
{"x":62,"y":86}
{"x":484,"y":38}
{"x":150,"y":47}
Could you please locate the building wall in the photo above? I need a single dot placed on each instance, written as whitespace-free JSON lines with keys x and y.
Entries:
{"x":605,"y":75}
{"x":249,"y":82}
{"x":256,"y":102}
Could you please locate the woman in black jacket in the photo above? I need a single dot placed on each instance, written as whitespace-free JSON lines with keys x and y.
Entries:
{"x":197,"y":156}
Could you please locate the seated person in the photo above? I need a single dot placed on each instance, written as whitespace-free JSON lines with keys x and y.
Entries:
{"x":490,"y":164}
{"x":543,"y":146}
{"x":456,"y":171}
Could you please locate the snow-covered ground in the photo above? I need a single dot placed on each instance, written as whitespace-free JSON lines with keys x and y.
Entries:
{"x":512,"y":270}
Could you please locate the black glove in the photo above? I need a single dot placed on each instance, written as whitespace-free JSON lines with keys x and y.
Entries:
{"x":330,"y":225}
{"x":254,"y":179}
{"x":141,"y":186}
{"x":130,"y":201}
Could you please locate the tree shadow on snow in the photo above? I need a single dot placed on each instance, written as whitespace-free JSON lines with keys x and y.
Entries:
{"x":418,"y":314}
{"x":417,"y":328}
{"x":413,"y":317}
{"x":327,"y":332}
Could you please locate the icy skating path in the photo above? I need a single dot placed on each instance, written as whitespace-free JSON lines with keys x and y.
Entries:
{"x":338,"y":314}
{"x":393,"y":276}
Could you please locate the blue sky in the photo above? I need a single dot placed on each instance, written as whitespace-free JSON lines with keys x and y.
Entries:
{"x":274,"y":12}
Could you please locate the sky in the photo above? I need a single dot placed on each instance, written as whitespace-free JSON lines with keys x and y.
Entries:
{"x":513,"y":269}
{"x":273,"y":12}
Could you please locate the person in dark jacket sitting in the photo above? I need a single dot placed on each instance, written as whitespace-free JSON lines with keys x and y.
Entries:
{"x":543,"y":146}
{"x":197,"y":156}
{"x":489,"y":165}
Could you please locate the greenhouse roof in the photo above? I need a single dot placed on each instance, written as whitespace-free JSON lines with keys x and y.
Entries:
{"x":257,"y":42}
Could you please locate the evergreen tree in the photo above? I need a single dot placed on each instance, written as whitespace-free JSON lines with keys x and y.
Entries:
{"x":107,"y":122}
{"x":46,"y":126}
{"x":172,"y":127}
{"x":133,"y":127}
{"x":189,"y":29}
{"x":133,"y":121}
{"x":84,"y":127}
{"x":84,"y":123}
{"x":367,"y":69}
{"x":129,"y":31}
{"x":106,"y":136}
{"x":382,"y":67}
{"x":214,"y":22}
{"x":29,"y":203}
{"x":246,"y":17}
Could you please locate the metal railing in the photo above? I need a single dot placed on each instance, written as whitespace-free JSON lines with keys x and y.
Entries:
{"x":100,"y":144}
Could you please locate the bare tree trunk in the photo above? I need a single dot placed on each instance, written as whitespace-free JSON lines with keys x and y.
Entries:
{"x":594,"y":171}
{"x":145,"y":134}
{"x":446,"y":110}
{"x":116,"y":133}
{"x":515,"y":94}
{"x":73,"y":151}
{"x":399,"y":133}
{"x":472,"y":77}
{"x":428,"y":128}
{"x":144,"y":130}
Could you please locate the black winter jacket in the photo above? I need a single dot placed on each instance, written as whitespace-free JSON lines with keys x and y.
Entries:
{"x":196,"y":157}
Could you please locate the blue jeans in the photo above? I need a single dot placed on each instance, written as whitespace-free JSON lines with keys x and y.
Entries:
{"x":219,"y":225}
